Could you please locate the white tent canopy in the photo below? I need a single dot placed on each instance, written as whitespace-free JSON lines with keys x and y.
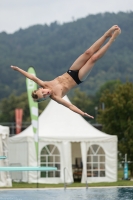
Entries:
{"x":4,"y":176}
{"x":66,"y":130}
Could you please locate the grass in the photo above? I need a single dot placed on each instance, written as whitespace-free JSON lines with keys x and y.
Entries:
{"x":120,"y":182}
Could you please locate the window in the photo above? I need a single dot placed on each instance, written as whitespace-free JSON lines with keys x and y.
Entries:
{"x":50,"y":157}
{"x":95,"y":161}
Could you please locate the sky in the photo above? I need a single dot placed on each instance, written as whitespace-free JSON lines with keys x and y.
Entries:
{"x":16,"y":14}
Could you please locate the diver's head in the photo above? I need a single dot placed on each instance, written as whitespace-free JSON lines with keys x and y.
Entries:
{"x":41,"y":94}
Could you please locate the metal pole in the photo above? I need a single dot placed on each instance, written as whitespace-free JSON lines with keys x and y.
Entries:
{"x":125,"y":157}
{"x":38,"y":150}
{"x":103,"y":106}
{"x":86,"y":185}
{"x":96,"y":108}
{"x":64,"y":179}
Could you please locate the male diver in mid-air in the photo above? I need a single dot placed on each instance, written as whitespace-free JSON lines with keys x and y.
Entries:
{"x":78,"y":72}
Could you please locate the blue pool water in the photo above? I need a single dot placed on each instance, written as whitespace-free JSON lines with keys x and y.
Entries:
{"x":69,"y":194}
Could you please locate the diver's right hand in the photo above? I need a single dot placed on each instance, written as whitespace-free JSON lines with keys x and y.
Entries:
{"x":14,"y":67}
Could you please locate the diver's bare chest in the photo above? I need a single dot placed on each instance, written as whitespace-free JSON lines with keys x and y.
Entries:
{"x":61,"y":85}
{"x":56,"y":86}
{"x":58,"y":89}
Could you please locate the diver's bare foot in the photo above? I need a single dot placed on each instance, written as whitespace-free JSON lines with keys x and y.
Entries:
{"x":110,"y":32}
{"x":115,"y":34}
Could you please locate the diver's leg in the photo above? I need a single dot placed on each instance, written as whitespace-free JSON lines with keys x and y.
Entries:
{"x":85,"y":70}
{"x":82,"y":59}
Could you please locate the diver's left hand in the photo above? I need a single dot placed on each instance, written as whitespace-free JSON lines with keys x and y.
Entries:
{"x":86,"y":115}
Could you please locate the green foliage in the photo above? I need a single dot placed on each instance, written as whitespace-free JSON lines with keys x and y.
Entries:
{"x":117,"y":117}
{"x":52,"y":50}
{"x":83,"y":102}
{"x":8,"y":106}
{"x":109,"y":85}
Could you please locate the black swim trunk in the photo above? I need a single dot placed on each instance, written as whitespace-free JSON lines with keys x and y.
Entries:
{"x":74,"y":75}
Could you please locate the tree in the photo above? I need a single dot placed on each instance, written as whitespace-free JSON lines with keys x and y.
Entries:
{"x":109,"y":85}
{"x":8,"y":106}
{"x":52,"y":49}
{"x":83,"y":102}
{"x":117,"y":117}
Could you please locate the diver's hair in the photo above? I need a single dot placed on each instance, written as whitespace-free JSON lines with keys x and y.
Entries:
{"x":34,"y":95}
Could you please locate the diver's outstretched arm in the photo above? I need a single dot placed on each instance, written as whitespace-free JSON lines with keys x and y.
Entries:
{"x":71,"y":106}
{"x":28,"y":75}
